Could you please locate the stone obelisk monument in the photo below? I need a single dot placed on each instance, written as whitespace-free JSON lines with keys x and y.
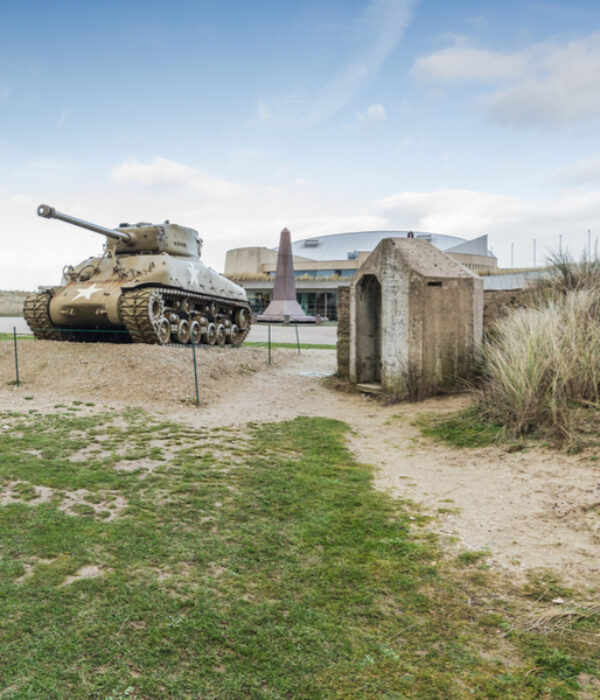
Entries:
{"x":284,"y":306}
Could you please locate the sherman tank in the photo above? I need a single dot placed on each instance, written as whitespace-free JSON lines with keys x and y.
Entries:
{"x":148,"y":286}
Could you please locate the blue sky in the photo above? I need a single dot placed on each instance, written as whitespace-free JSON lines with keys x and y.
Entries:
{"x":238,"y":118}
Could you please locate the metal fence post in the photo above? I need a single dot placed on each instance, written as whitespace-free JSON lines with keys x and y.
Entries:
{"x":297,"y":338}
{"x":195,"y":373}
{"x":16,"y":355}
{"x":269,"y":343}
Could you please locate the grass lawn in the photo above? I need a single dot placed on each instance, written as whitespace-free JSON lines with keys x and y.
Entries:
{"x":10,"y":336}
{"x":303,"y":346}
{"x":141,"y":559}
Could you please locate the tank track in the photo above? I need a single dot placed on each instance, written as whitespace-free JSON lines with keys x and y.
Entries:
{"x":37,"y":315}
{"x":144,"y":325}
{"x":133,"y":309}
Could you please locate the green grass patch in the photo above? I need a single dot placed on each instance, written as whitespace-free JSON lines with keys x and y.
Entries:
{"x":463,"y":429}
{"x":10,"y":336}
{"x":243,"y":564}
{"x":470,"y":557}
{"x":303,"y":346}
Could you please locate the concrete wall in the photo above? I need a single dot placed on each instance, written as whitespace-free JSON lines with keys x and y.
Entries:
{"x":248,"y":261}
{"x":514,"y":280}
{"x":431,"y":318}
{"x":343,"y":332}
{"x":446,"y":326}
{"x":475,"y":263}
{"x":255,"y":261}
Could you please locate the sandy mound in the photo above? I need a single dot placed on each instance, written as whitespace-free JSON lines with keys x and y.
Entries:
{"x":134,"y":375}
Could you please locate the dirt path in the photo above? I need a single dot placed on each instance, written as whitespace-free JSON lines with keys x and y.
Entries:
{"x":530,"y":509}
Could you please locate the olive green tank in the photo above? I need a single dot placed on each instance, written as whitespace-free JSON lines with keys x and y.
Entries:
{"x":148,"y":286}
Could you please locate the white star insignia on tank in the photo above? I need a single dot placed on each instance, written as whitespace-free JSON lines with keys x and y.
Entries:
{"x":193,"y":272}
{"x":86,"y":292}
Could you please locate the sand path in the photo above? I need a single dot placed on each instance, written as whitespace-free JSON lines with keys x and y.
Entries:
{"x":531,"y":509}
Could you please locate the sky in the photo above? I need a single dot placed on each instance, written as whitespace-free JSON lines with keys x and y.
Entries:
{"x":238,"y":118}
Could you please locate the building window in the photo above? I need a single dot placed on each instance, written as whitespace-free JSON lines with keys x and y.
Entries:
{"x":322,"y":304}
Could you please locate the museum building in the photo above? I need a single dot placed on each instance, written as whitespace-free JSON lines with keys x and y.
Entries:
{"x":324,"y":263}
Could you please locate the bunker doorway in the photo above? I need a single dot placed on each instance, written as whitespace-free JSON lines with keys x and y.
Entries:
{"x":368,"y":330}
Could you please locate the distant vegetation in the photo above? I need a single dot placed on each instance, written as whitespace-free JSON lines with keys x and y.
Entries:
{"x":11,"y":303}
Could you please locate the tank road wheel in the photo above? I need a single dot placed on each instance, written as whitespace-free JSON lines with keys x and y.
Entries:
{"x":221,"y":335}
{"x":242,"y":318}
{"x":186,"y":305}
{"x":183,"y":331}
{"x":234,"y":337}
{"x":195,"y":332}
{"x":210,"y":336}
{"x":163,"y":331}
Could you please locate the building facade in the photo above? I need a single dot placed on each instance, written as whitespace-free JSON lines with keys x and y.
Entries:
{"x":324,"y":263}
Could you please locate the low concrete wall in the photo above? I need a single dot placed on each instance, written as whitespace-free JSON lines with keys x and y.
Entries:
{"x":343,"y":332}
{"x":513,"y":280}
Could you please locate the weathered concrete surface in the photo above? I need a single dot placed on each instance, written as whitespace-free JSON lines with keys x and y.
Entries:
{"x":416,"y":318}
{"x":343,"y":332}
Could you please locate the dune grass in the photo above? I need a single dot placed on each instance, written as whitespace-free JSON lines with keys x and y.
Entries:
{"x":540,"y":366}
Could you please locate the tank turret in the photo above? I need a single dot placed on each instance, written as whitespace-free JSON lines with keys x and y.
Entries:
{"x":142,"y":238}
{"x":148,"y":286}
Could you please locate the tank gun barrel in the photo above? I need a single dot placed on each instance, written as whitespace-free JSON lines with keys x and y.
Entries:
{"x":48,"y":212}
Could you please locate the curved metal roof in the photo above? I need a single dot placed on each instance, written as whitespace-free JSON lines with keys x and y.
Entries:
{"x":344,"y":246}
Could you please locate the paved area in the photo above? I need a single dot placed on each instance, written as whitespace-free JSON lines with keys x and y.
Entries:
{"x":7,"y":323}
{"x":308,"y":333}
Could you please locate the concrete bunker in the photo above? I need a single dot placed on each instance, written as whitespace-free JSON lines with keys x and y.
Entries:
{"x":416,"y":319}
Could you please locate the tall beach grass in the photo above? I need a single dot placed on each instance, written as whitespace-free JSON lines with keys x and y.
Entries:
{"x":541,"y":364}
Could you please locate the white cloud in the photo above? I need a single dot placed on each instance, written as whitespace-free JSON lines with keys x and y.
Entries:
{"x":15,"y":201}
{"x":505,"y":218}
{"x":376,"y":34}
{"x":454,"y":212}
{"x":162,"y":173}
{"x":305,"y":227}
{"x":546,"y":83}
{"x":374,"y":113}
{"x":37,"y":249}
{"x":584,"y":172}
{"x":464,"y":63}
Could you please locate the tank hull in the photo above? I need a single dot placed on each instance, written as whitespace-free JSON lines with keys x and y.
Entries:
{"x":182,"y":299}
